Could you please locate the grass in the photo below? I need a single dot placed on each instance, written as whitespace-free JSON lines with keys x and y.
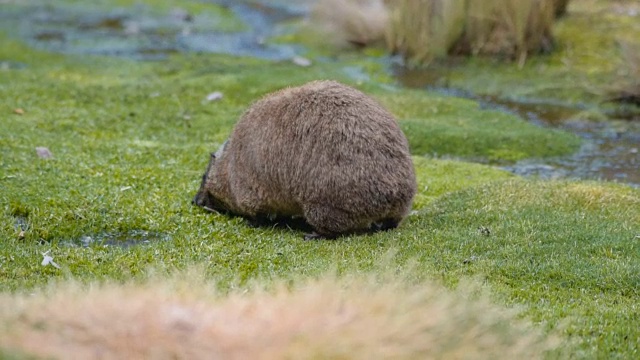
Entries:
{"x":586,"y":60}
{"x":627,"y":90}
{"x":130,"y":141}
{"x":560,"y":7}
{"x":567,"y":250}
{"x":351,"y":22}
{"x":509,"y":28}
{"x":442,"y":126}
{"x":424,"y":30}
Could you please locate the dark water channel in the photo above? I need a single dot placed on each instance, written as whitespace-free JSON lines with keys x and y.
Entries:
{"x":610,"y":151}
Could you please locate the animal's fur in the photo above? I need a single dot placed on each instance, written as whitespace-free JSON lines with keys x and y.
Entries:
{"x":323,"y":151}
{"x":325,"y":319}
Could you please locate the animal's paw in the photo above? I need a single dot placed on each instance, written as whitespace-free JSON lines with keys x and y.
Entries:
{"x":313,"y":236}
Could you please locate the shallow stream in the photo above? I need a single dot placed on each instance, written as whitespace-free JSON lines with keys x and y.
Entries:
{"x":610,"y":150}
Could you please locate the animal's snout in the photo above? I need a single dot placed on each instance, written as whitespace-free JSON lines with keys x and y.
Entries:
{"x":195,"y":201}
{"x":204,"y":200}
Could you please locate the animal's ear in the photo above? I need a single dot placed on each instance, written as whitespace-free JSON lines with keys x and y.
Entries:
{"x":213,"y":155}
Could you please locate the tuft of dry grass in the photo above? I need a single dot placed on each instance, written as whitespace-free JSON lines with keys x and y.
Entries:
{"x":628,"y":90}
{"x":560,"y":7}
{"x":424,"y":30}
{"x":351,"y":22}
{"x":326,"y":318}
{"x":510,"y":29}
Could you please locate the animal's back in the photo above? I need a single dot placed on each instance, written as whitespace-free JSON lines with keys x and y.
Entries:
{"x":328,"y":152}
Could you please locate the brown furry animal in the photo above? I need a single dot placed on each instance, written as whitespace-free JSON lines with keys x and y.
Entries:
{"x":323,"y":151}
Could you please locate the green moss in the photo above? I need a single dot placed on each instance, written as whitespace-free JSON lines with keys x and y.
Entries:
{"x":448,"y":126}
{"x":440,"y":177}
{"x":564,"y":250}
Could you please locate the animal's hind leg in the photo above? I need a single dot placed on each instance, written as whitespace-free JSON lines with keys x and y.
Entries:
{"x":329,"y":222}
{"x":259,"y":220}
{"x":385,"y":224}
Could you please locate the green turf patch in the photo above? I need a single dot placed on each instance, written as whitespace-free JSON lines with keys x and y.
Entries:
{"x":440,"y":177}
{"x":449,"y":126}
{"x":568,"y":251}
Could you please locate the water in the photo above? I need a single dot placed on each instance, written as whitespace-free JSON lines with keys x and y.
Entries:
{"x":135,"y":32}
{"x":21,"y":223}
{"x":118,"y":239}
{"x":610,"y":150}
{"x":122,"y":239}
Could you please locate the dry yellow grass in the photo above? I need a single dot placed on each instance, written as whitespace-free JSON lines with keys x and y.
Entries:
{"x":351,"y":22}
{"x":628,"y":88}
{"x":509,"y":28}
{"x":327,"y":318}
{"x":560,"y":7}
{"x":424,"y":30}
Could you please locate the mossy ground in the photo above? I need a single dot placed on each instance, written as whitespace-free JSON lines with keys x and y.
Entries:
{"x":130,"y":141}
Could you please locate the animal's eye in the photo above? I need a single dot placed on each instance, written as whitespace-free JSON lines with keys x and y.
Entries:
{"x":213,"y":155}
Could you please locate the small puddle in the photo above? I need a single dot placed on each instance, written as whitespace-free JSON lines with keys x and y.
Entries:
{"x":122,"y":239}
{"x":21,"y":223}
{"x":610,"y":151}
